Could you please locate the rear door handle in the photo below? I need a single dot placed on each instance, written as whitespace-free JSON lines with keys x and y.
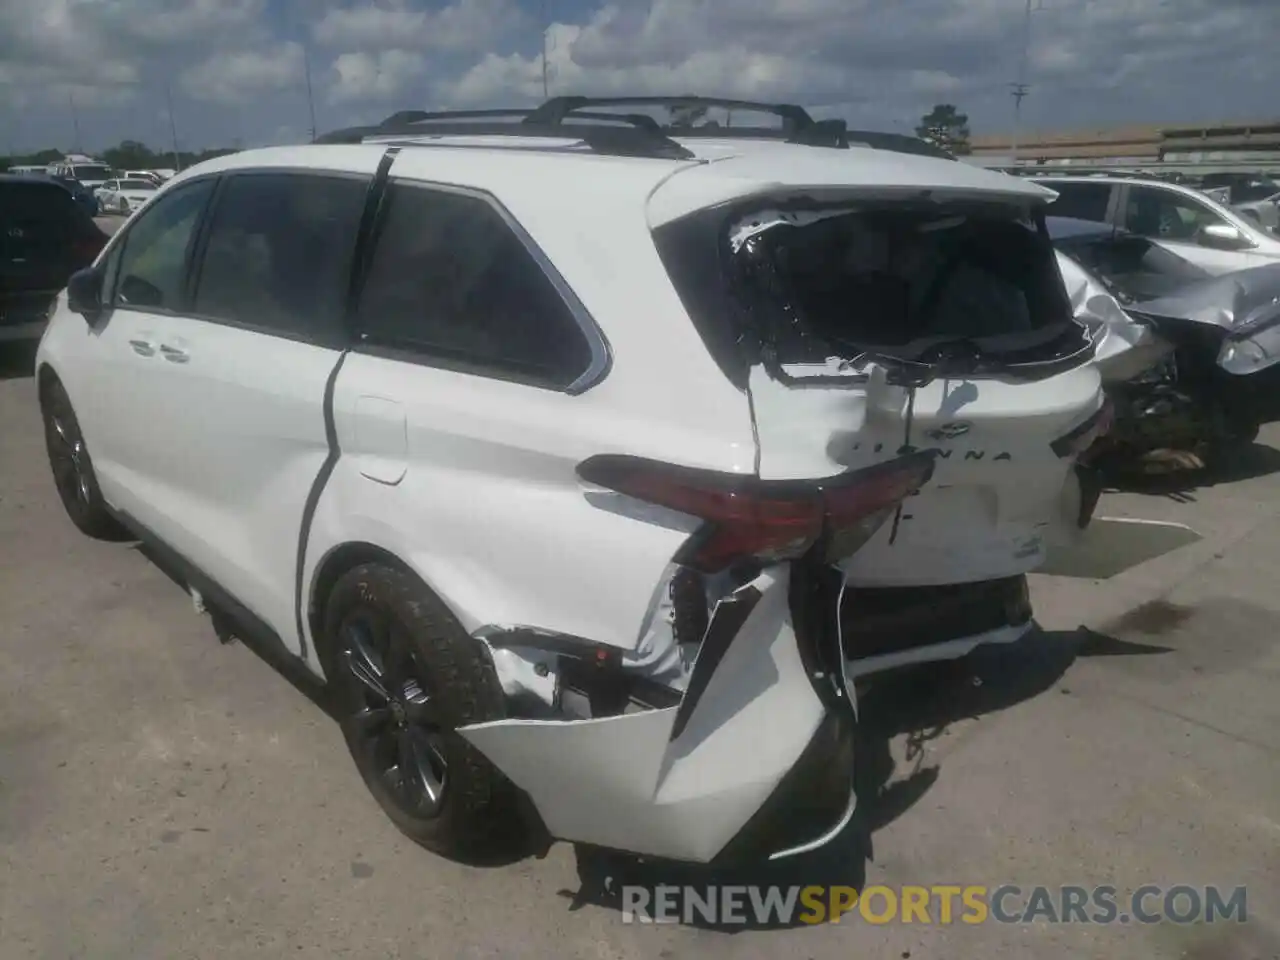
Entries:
{"x":143,"y":348}
{"x":174,"y":354}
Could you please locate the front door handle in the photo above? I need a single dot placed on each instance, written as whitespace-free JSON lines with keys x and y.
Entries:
{"x":143,"y":348}
{"x":174,"y":354}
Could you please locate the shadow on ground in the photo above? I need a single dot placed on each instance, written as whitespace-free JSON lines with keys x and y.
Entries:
{"x":1256,"y":460}
{"x":17,"y":360}
{"x":918,"y":702}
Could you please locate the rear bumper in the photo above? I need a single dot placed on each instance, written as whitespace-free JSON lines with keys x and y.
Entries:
{"x":887,"y":627}
{"x":754,"y":763}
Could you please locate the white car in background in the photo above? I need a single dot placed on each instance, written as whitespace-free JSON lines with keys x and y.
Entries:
{"x":148,"y":175}
{"x":1190,"y":223}
{"x":124,"y":196}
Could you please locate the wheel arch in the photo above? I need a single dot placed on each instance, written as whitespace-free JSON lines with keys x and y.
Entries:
{"x":341,"y":559}
{"x":46,"y":377}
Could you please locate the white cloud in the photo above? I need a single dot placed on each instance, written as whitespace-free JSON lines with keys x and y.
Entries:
{"x":374,"y":76}
{"x":465,"y":25}
{"x":232,"y":77}
{"x":1091,"y":62}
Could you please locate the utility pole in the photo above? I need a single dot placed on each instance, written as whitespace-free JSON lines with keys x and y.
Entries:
{"x":311,"y":103}
{"x":1019,"y":89}
{"x":173,"y":126}
{"x":75,"y":121}
{"x":546,"y":39}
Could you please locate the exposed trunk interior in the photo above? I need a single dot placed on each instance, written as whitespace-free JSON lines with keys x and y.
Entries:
{"x":969,"y":286}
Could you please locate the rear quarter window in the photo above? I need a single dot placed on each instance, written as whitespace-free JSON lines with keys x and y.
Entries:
{"x":453,"y":284}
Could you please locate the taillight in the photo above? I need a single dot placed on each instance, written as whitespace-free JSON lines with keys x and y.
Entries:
{"x":1082,"y":437}
{"x":751,"y":519}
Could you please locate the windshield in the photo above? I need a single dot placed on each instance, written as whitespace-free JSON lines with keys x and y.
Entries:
{"x":1134,"y":268}
{"x":91,"y":172}
{"x":137,"y":185}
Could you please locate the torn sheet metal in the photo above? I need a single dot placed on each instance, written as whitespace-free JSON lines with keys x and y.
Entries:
{"x":624,"y":782}
{"x":530,"y":675}
{"x":765,"y":220}
{"x":1124,"y":347}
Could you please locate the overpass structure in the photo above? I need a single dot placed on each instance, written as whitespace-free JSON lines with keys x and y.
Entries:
{"x":1228,"y":147}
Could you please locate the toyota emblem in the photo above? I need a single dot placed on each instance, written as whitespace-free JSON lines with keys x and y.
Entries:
{"x":949,"y":431}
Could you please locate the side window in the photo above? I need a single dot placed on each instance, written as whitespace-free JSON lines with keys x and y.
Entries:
{"x":451,"y":280}
{"x":153,"y":260}
{"x":1165,"y":215}
{"x":279,"y":252}
{"x":1081,"y":201}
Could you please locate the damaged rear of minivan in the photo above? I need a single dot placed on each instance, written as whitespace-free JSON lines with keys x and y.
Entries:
{"x":868,"y":327}
{"x":919,"y":393}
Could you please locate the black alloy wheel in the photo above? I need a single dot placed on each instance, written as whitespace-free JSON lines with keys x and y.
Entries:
{"x":404,"y":678}
{"x":390,"y":716}
{"x":73,"y":474}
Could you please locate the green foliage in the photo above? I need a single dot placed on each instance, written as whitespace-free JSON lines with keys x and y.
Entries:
{"x":946,"y":127}
{"x":126,"y":155}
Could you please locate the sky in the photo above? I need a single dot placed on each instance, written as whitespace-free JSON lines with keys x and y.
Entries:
{"x":236,"y":71}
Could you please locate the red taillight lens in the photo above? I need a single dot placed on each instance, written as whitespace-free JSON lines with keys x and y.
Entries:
{"x":747,"y":518}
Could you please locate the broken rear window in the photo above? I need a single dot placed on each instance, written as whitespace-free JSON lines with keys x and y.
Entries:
{"x":821,"y":283}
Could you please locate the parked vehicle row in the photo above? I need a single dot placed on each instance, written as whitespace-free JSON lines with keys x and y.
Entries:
{"x":124,"y":196}
{"x":570,"y":532}
{"x":1193,"y":225}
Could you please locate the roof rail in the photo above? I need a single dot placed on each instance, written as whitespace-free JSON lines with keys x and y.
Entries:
{"x":632,"y":134}
{"x":558,"y":108}
{"x":620,"y":135}
{"x":798,"y":126}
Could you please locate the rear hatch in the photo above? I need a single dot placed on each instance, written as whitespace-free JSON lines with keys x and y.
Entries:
{"x":869,"y":325}
{"x":44,"y":238}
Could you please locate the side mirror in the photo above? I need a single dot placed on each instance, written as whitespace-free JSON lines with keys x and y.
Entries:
{"x":1223,"y":236}
{"x":84,"y":292}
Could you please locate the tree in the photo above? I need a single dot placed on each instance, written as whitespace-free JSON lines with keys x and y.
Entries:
{"x":946,"y":127}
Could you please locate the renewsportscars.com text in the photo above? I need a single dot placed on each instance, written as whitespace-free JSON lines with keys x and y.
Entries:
{"x":939,"y":904}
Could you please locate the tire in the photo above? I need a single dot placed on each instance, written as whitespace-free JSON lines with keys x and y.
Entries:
{"x":439,"y":680}
{"x":72,"y":467}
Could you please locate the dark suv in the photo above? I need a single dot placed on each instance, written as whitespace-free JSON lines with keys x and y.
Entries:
{"x":45,"y":236}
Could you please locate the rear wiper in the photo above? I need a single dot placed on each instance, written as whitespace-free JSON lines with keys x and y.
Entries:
{"x":961,"y":357}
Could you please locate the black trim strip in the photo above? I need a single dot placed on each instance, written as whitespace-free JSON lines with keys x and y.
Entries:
{"x":194,"y":265}
{"x":359,"y":268}
{"x":730,"y":615}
